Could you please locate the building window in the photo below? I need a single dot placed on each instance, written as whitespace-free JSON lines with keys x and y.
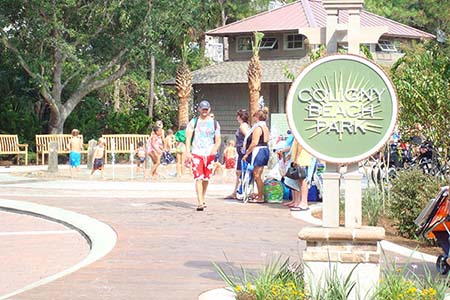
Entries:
{"x":293,"y":41}
{"x":386,"y":46}
{"x":244,"y":44}
{"x":269,"y":43}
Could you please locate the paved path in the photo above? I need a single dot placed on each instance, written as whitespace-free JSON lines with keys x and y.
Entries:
{"x":164,"y":249}
{"x":33,"y":248}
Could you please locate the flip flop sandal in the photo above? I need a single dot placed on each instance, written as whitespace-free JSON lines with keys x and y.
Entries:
{"x":255,"y":199}
{"x":297,"y":208}
{"x":200,"y":208}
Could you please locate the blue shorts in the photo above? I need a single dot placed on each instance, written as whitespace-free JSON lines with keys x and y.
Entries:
{"x":74,"y":159}
{"x":238,"y":162}
{"x":260,"y":156}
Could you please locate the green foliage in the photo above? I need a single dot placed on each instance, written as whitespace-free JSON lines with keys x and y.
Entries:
{"x":282,"y":281}
{"x":410,"y":192}
{"x":135,"y":122}
{"x":422,"y":81}
{"x":372,"y":205}
{"x":72,"y":48}
{"x":331,"y":286}
{"x":318,"y":53}
{"x":427,"y":15}
{"x":88,"y":117}
{"x":256,"y":42}
{"x":16,"y":120}
{"x":276,"y":280}
{"x":366,"y":51}
{"x":402,"y":283}
{"x":17,"y":114}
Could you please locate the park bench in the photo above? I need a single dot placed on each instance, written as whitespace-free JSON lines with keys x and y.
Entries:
{"x":123,"y":142}
{"x":43,"y":141}
{"x":9,"y":144}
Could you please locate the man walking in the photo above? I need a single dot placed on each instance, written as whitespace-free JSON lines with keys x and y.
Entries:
{"x":204,"y":133}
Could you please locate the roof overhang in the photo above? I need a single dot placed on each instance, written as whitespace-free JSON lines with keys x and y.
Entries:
{"x":233,"y":72}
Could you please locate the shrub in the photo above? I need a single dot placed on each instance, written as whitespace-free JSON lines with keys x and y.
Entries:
{"x":411,"y":190}
{"x":276,"y":280}
{"x":372,"y":205}
{"x":135,"y":122}
{"x":403,"y":283}
{"x":283,"y":281}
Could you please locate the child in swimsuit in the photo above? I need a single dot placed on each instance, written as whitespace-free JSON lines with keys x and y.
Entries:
{"x":75,"y":147}
{"x":98,"y":162}
{"x":140,"y":152}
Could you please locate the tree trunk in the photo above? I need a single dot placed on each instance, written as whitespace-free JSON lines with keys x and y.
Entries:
{"x":57,"y":119}
{"x":151,"y":90}
{"x":184,"y":89}
{"x":183,"y":111}
{"x":254,"y":74}
{"x":116,"y":95}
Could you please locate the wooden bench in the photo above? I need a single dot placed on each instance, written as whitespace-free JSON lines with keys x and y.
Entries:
{"x":123,"y":142}
{"x":9,"y":144}
{"x":43,"y":141}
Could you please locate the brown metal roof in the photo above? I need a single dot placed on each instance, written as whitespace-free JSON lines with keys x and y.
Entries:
{"x":273,"y":71}
{"x":310,"y":13}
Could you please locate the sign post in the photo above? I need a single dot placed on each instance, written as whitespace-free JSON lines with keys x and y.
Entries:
{"x":342,"y":109}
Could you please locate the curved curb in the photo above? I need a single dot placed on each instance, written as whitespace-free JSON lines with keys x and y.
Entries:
{"x":218,"y":294}
{"x":101,"y":237}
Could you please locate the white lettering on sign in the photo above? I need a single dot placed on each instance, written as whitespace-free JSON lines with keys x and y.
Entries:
{"x":344,"y":111}
{"x":348,"y":95}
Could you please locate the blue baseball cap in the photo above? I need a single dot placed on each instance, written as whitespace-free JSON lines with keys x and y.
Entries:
{"x":204,"y":105}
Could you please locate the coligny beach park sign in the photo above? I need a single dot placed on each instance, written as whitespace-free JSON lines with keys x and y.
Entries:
{"x":342,"y":108}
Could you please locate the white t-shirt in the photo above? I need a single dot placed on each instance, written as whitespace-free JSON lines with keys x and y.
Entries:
{"x":204,"y":133}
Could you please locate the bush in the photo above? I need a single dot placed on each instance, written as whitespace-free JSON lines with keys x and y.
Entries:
{"x":411,"y":190}
{"x":276,"y":280}
{"x":372,"y":205}
{"x":87,"y":117}
{"x":135,"y":123}
{"x":403,"y":283}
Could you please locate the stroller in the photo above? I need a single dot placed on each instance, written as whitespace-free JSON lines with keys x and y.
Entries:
{"x":434,"y":222}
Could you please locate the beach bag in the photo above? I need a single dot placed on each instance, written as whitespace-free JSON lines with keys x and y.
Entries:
{"x":167,"y":158}
{"x":296,"y":172}
{"x":273,"y":191}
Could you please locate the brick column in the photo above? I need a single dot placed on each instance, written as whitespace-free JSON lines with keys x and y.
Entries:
{"x":343,"y":251}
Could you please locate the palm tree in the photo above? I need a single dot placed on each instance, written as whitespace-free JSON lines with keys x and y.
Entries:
{"x":183,"y":84}
{"x":254,"y":74}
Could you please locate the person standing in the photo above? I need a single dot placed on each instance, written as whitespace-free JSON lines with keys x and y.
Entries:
{"x":180,"y":138}
{"x":141,"y":154}
{"x":204,"y":132}
{"x":257,"y":151}
{"x":75,"y":147}
{"x":156,"y":150}
{"x":241,"y":132}
{"x":301,"y":158}
{"x":98,"y":162}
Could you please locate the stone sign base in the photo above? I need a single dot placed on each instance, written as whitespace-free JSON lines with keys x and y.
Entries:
{"x":340,"y":252}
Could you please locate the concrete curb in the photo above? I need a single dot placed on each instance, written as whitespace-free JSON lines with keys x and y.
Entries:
{"x":218,"y":294}
{"x":101,"y":237}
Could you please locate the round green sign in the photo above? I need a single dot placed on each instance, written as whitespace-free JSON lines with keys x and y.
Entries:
{"x":342,"y":108}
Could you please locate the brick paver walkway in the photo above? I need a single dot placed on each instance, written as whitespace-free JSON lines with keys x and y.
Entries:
{"x":165,"y":248}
